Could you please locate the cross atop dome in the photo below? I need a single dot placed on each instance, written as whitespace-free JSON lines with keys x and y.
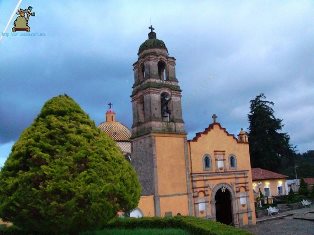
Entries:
{"x":110,"y":105}
{"x":152,"y":42}
{"x":151,"y":34}
{"x":110,"y":114}
{"x":151,"y":28}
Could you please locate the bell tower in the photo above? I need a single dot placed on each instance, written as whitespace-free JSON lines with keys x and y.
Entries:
{"x":159,"y":145}
{"x":156,"y":96}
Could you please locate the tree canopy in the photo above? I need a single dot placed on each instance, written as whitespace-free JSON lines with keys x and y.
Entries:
{"x":269,"y":147}
{"x":304,"y":164}
{"x":64,"y":175}
{"x":303,"y":190}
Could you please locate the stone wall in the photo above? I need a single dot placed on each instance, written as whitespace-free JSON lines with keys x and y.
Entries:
{"x":142,"y":160}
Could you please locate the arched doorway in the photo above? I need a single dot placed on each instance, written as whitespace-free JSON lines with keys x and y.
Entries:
{"x":223,"y":206}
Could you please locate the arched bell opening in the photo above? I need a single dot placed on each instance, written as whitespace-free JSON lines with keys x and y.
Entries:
{"x":142,"y":71}
{"x":162,"y":72}
{"x":165,"y":99}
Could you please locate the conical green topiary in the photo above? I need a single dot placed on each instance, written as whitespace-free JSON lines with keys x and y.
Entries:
{"x":64,"y":175}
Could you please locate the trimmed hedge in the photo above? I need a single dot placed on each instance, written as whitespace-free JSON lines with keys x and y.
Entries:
{"x":193,"y":225}
{"x":139,"y":231}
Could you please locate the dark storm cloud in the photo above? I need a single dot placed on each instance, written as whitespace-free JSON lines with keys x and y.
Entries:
{"x":227,"y":53}
{"x":88,"y":79}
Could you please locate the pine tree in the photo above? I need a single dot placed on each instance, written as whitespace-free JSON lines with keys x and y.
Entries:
{"x":269,"y":148}
{"x":312,"y":192}
{"x":303,"y":190}
{"x":64,"y":175}
{"x":291,"y":196}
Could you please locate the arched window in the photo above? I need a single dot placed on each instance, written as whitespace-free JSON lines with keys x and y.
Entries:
{"x":165,"y":99}
{"x":162,"y":70}
{"x":207,"y":162}
{"x":143,"y":71}
{"x":233,"y":161}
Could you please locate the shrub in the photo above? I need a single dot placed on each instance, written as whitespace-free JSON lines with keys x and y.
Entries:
{"x":291,"y":196}
{"x":193,"y":225}
{"x":64,"y":175}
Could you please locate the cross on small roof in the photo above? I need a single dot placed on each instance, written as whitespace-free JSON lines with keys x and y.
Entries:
{"x":110,"y":105}
{"x":214,"y":118}
{"x":151,"y":28}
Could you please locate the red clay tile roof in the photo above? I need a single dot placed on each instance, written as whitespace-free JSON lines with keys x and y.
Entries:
{"x":309,"y":180}
{"x":262,"y":174}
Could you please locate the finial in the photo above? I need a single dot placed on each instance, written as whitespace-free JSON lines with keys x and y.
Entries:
{"x":214,"y":118}
{"x":152,"y":34}
{"x":242,"y":136}
{"x":110,"y":115}
{"x":110,"y":105}
{"x":151,"y":28}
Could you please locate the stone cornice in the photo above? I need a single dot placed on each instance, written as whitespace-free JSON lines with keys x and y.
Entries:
{"x":157,"y":85}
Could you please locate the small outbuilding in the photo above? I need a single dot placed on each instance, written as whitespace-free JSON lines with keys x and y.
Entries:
{"x":269,"y":183}
{"x":309,"y":182}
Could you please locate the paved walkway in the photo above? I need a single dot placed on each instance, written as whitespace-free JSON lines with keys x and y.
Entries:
{"x":294,"y":222}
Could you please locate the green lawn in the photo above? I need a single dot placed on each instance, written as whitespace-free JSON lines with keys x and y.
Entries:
{"x":140,"y":231}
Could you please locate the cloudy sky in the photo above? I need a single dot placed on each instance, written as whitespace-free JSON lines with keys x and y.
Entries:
{"x":227,"y":53}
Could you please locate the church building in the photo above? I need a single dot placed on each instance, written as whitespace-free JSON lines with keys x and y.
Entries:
{"x":208,"y":176}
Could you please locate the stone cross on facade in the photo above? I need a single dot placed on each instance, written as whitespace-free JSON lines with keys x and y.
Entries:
{"x":110,"y":105}
{"x":151,"y":28}
{"x":214,"y":118}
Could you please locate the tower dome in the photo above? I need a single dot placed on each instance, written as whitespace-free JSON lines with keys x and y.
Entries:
{"x":152,"y":42}
{"x":113,"y":128}
{"x":117,"y":131}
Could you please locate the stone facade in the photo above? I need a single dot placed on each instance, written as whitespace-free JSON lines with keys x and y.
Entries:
{"x":229,"y":169}
{"x":157,"y":130}
{"x":154,"y":75}
{"x":143,"y":162}
{"x":208,"y":176}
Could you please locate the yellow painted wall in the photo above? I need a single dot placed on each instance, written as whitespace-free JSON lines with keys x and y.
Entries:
{"x":146,"y":205}
{"x":217,"y":139}
{"x":171,"y":172}
{"x":170,"y":164}
{"x":272,"y":184}
{"x":176,"y":204}
{"x":245,"y":219}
